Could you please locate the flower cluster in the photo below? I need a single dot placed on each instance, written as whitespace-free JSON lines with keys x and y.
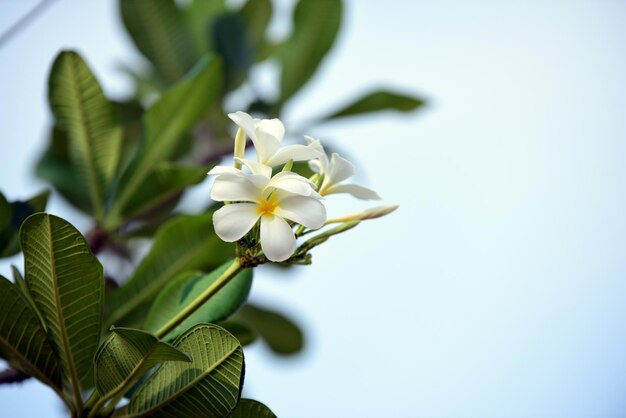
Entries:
{"x":269,"y":206}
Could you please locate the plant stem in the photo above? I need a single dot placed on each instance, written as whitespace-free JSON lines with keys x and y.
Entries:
{"x":222,"y":281}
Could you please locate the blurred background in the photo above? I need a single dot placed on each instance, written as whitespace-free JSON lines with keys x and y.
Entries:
{"x":496,"y":290}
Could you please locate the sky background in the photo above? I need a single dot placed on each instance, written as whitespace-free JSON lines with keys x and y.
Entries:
{"x":497,"y":288}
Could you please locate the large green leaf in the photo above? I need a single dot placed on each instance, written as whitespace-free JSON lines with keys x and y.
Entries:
{"x":200,"y":15}
{"x":248,"y":408}
{"x":164,"y":185}
{"x":158,"y":30}
{"x":23,"y":340}
{"x":233,"y":46}
{"x":66,"y":284}
{"x":187,"y":287}
{"x":243,"y":332}
{"x":377,"y":101}
{"x":126,"y":355}
{"x":208,"y":387}
{"x":257,"y":15}
{"x":90,"y":120}
{"x":17,"y":212}
{"x":182,"y":244}
{"x":280,"y":333}
{"x":315,"y":27}
{"x":165,"y":123}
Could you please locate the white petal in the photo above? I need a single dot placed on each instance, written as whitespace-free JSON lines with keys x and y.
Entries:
{"x":227,"y":188}
{"x":220,"y":170}
{"x":315,"y":166}
{"x":303,"y":210}
{"x":256,"y":167}
{"x":277,"y":238}
{"x":233,"y":221}
{"x":245,"y":122}
{"x":265,"y":145}
{"x":339,"y":169}
{"x":292,"y":183}
{"x":359,"y":192}
{"x":272,"y":127}
{"x":297,"y":152}
{"x":322,"y":160}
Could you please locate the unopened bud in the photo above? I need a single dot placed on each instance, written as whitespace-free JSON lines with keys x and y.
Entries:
{"x":371,"y":213}
{"x":240,"y":146}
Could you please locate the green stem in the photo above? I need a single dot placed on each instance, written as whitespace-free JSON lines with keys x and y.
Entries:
{"x":222,"y":281}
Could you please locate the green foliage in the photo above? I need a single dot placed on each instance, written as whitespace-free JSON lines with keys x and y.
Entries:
{"x":280,"y":333}
{"x":247,"y":408}
{"x":209,"y":386}
{"x":315,"y":27}
{"x":126,"y":355}
{"x":182,"y":244}
{"x":12,"y":214}
{"x":378,"y":101}
{"x":187,"y":287}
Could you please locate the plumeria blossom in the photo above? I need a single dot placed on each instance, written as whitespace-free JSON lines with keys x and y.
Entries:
{"x":275,"y":201}
{"x":267,"y":135}
{"x":335,"y":171}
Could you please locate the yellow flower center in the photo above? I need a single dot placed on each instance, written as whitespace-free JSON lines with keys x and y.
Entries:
{"x":267,"y":207}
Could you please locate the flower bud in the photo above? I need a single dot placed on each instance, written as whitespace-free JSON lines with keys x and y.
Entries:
{"x":240,"y":146}
{"x":371,"y":213}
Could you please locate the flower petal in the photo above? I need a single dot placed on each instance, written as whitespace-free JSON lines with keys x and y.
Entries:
{"x":245,"y":122}
{"x":321,"y":163}
{"x":272,"y":127}
{"x":256,"y":167}
{"x":227,"y":188}
{"x":265,"y":145}
{"x":297,"y":152}
{"x":292,"y":183}
{"x":277,"y":238}
{"x":306,"y":211}
{"x":359,"y":192}
{"x":222,"y":170}
{"x":233,"y":221}
{"x":339,"y":169}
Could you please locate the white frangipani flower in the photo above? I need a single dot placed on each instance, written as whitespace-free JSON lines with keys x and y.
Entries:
{"x":334,"y":171}
{"x":286,"y":196}
{"x":267,"y":135}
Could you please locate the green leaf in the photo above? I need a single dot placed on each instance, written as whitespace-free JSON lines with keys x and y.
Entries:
{"x":17,"y":211}
{"x":257,"y":15}
{"x":209,"y":386}
{"x":158,"y":30}
{"x":77,"y":101}
{"x":21,"y":285}
{"x":165,"y":123}
{"x":243,"y":332}
{"x":279,"y":332}
{"x":182,"y":244}
{"x":231,"y":43}
{"x":187,"y":287}
{"x":126,"y":355}
{"x":23,"y":340}
{"x":378,"y":101}
{"x":200,"y":15}
{"x":315,"y":27}
{"x":66,"y":284}
{"x":164,"y":185}
{"x":248,"y":408}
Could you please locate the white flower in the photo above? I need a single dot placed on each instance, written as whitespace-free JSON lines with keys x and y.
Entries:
{"x":286,"y":196}
{"x":267,"y":135}
{"x":334,"y":172}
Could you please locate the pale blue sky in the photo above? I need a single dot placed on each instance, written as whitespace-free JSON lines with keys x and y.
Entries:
{"x":496,"y":290}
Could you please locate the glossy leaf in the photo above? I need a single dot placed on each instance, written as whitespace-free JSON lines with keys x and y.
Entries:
{"x":80,"y":108}
{"x":248,"y":408}
{"x":158,"y":30}
{"x":184,"y":243}
{"x":165,"y":123}
{"x":66,"y":284}
{"x":378,"y":101}
{"x":164,"y":185}
{"x":208,"y":387}
{"x":126,"y":355}
{"x":315,"y":27}
{"x":17,"y":212}
{"x":23,"y":340}
{"x":187,"y":287}
{"x":280,"y":333}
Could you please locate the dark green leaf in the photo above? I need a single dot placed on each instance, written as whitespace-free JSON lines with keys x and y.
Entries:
{"x":18,"y":211}
{"x":165,"y":123}
{"x":158,"y":30}
{"x":247,"y":408}
{"x":281,"y":334}
{"x":257,"y":15}
{"x":126,"y":355}
{"x":315,"y":27}
{"x":23,"y":340}
{"x":91,"y":122}
{"x":184,"y":243}
{"x":187,"y":287}
{"x":200,"y":15}
{"x":21,"y":285}
{"x":378,"y":101}
{"x":231,"y":43}
{"x":243,"y":332}
{"x":66,"y":284}
{"x":208,"y":387}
